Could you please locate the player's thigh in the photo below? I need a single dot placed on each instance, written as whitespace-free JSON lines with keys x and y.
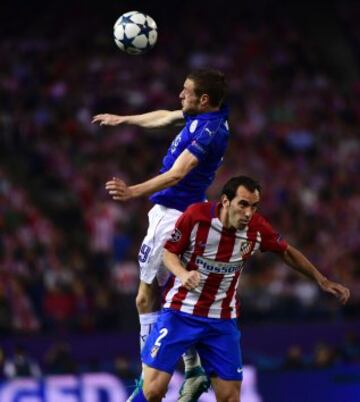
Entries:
{"x":155,"y":382}
{"x":226,"y":391}
{"x":161,"y":223}
{"x":220,"y":351}
{"x":170,"y":337}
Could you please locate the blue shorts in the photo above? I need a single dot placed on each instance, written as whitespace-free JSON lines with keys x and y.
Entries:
{"x":217,"y":341}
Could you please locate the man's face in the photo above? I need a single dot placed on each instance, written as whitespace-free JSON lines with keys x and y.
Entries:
{"x":241,"y":208}
{"x":189,"y":101}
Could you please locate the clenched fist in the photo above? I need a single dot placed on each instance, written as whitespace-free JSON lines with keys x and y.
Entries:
{"x":190,"y":279}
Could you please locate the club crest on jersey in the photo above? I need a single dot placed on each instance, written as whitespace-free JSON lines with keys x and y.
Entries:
{"x":245,"y":247}
{"x":193,"y":126}
{"x":154,"y":351}
{"x":176,"y":235}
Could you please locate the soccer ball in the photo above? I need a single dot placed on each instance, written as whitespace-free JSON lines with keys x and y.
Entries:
{"x":135,"y":32}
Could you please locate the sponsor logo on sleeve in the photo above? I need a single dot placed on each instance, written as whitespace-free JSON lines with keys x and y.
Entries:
{"x":193,"y":126}
{"x":176,"y":235}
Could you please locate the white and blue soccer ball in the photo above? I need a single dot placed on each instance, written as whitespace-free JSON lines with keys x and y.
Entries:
{"x":135,"y":32}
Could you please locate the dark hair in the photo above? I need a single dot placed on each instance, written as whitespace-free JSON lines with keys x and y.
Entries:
{"x":234,"y":183}
{"x":210,"y":82}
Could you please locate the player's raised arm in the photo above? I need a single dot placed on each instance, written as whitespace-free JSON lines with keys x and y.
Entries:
{"x":182,"y":166}
{"x":155,"y":119}
{"x":296,"y":259}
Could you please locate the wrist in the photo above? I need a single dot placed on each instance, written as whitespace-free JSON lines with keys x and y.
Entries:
{"x":132,"y":192}
{"x":182,"y":275}
{"x":321,"y":279}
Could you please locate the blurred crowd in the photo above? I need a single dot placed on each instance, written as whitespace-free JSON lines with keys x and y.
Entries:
{"x":59,"y":359}
{"x":68,"y":253}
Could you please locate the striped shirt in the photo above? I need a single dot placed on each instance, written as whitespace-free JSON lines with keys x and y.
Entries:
{"x":219,"y":255}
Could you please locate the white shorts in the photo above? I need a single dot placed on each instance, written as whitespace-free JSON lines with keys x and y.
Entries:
{"x":161,"y":224}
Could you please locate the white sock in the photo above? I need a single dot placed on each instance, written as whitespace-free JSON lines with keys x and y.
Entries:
{"x":191,"y":359}
{"x":147,"y":321}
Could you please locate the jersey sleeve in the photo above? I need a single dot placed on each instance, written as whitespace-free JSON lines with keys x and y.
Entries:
{"x":180,"y":236}
{"x":201,"y":145}
{"x":270,"y":239}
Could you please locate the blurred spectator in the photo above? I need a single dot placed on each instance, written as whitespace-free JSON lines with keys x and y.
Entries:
{"x":5,"y":311}
{"x":58,"y":360}
{"x":21,"y":365}
{"x":294,"y":358}
{"x":2,"y":364}
{"x":324,"y":356}
{"x":123,"y":369}
{"x":350,"y":348}
{"x":59,"y":307}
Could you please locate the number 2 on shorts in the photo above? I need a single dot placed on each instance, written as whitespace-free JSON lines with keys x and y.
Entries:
{"x":163,"y":333}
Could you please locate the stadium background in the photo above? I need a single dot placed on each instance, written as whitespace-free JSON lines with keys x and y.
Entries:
{"x":68,"y":272}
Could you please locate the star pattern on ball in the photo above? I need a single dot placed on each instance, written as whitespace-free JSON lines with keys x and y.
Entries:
{"x":126,"y":20}
{"x":144,"y":29}
{"x":126,"y":41}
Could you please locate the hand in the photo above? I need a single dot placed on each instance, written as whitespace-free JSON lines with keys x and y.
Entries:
{"x":341,"y":292}
{"x":108,"y":119}
{"x":118,"y":189}
{"x":190,"y":279}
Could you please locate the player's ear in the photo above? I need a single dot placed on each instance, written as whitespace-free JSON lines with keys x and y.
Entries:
{"x":204,"y":100}
{"x":224,"y":200}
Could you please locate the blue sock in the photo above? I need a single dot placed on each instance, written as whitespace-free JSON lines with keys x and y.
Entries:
{"x":140,"y":397}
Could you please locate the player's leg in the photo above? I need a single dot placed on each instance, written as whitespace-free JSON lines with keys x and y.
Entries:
{"x":155,"y":385}
{"x":161,"y":223}
{"x":148,"y":306}
{"x":172,"y":334}
{"x":221,"y":358}
{"x":226,"y":391}
{"x":148,"y":296}
{"x":195,"y":383}
{"x":150,"y":257}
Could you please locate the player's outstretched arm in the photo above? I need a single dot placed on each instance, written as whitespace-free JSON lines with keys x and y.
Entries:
{"x":296,"y":259}
{"x":119,"y":191}
{"x":189,"y":279}
{"x":156,"y":119}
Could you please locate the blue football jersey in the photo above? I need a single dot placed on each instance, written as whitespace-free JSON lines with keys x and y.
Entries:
{"x":206,"y":136}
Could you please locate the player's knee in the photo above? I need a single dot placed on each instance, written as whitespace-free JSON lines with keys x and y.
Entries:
{"x":233,"y":397}
{"x":154,"y":391}
{"x":142,"y":302}
{"x":147,"y":300}
{"x":230,"y":394}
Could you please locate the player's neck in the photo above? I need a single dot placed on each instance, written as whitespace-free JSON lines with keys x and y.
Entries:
{"x":208,"y":109}
{"x":224,"y":218}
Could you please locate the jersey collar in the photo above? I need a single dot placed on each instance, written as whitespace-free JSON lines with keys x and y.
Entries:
{"x":223,"y":112}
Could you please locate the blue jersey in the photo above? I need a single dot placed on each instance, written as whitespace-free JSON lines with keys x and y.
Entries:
{"x":206,"y":136}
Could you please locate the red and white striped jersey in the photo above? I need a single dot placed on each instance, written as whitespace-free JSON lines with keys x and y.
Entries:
{"x":219,"y":254}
